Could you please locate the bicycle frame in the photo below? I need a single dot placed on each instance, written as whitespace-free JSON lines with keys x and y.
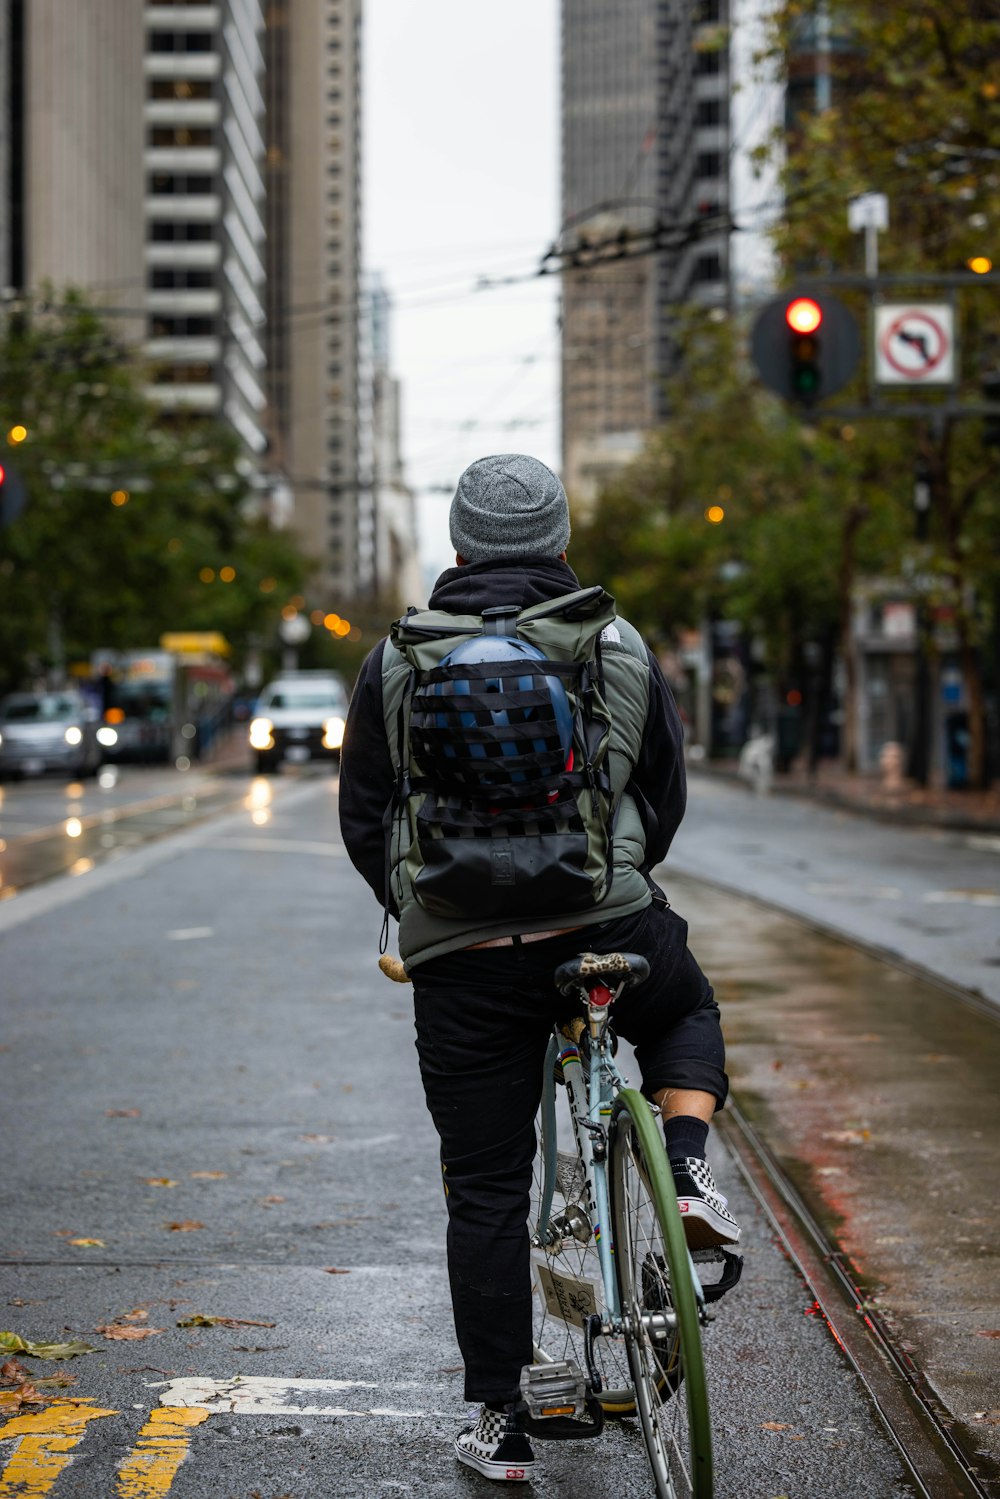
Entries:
{"x":591,"y":1099}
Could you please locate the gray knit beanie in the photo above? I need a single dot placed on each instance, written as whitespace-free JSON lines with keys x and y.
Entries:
{"x":509,"y":505}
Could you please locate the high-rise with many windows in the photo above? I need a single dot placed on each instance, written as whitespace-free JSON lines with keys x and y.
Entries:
{"x":645,"y":129}
{"x":71,"y":151}
{"x":319,"y":370}
{"x":204,"y":157}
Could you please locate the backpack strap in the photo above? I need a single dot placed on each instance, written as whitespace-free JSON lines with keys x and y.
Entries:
{"x":501,"y":620}
{"x":397,"y":802}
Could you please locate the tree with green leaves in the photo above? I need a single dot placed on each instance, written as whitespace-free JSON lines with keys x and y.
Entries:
{"x":133,"y":525}
{"x":914,"y":113}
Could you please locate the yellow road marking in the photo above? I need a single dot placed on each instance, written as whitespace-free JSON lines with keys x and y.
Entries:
{"x":162,"y":1446}
{"x":47,"y":1439}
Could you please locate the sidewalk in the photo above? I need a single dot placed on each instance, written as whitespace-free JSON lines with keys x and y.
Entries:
{"x":963,"y":811}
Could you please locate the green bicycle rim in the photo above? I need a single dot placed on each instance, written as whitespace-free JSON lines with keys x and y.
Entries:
{"x":685,"y":1304}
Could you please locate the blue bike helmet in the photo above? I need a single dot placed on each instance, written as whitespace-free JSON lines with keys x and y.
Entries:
{"x":534,"y":698}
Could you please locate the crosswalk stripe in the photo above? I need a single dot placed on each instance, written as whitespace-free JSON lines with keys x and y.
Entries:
{"x":45,"y":1447}
{"x":161,"y":1447}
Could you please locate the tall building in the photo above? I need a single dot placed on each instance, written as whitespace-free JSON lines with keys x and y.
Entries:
{"x":758,"y":115}
{"x":645,"y":131}
{"x":71,"y":149}
{"x":319,"y":365}
{"x":398,"y":580}
{"x":204,"y":158}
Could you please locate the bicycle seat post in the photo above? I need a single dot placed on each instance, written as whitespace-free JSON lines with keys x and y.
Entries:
{"x":599,"y":1001}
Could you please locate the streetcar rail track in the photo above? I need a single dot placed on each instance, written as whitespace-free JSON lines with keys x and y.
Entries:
{"x":937,"y":1462}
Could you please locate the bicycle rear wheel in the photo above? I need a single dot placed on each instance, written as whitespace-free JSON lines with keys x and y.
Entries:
{"x":659,"y":1304}
{"x":566,"y":1273}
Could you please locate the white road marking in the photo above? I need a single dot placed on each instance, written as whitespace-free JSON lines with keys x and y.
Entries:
{"x":281,"y":846}
{"x":190,"y":933}
{"x":264,"y":1396}
{"x":987,"y":843}
{"x":962,"y":897}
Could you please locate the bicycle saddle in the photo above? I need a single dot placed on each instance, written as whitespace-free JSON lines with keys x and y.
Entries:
{"x":596,"y":967}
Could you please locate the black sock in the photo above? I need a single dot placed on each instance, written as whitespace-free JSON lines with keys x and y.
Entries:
{"x":685,"y":1136}
{"x":499,"y":1407}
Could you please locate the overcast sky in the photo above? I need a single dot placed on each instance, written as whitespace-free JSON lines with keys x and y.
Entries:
{"x":461,"y":180}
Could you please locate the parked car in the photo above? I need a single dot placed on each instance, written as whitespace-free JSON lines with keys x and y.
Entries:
{"x":42,"y":731}
{"x":300,"y":716}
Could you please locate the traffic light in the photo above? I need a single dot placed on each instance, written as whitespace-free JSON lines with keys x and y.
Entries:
{"x":12,"y":495}
{"x":805,"y":347}
{"x":805,"y":320}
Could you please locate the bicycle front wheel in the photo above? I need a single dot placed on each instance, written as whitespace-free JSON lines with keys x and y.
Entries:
{"x":659,"y":1305}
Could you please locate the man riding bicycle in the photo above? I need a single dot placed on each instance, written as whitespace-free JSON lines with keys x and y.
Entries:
{"x":483,"y":986}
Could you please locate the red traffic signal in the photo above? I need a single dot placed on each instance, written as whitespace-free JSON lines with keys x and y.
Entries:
{"x":3,"y":473}
{"x":803,"y":315}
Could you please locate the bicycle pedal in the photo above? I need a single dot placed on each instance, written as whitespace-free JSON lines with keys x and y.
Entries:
{"x":557,"y":1389}
{"x":557,"y":1404}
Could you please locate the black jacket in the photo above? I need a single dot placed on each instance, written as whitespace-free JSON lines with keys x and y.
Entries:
{"x":366,"y":775}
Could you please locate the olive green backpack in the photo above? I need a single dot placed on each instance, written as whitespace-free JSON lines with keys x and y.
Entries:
{"x":502,"y":747}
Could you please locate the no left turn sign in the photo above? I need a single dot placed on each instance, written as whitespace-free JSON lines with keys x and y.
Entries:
{"x":914,"y":343}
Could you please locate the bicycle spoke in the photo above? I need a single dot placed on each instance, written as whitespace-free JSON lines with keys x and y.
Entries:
{"x":565,"y":1264}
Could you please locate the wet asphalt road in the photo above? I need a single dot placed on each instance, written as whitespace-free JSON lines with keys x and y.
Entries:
{"x":201,"y":1068}
{"x":925,"y":894}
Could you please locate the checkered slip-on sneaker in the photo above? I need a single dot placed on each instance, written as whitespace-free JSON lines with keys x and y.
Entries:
{"x":496,"y":1448}
{"x":704,"y":1211}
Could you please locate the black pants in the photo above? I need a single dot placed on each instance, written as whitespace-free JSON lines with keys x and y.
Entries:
{"x":483,"y":1021}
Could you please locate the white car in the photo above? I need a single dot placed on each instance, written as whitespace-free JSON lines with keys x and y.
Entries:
{"x":300,"y":716}
{"x":42,"y":731}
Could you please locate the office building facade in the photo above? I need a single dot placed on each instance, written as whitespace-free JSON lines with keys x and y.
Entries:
{"x":71,"y":152}
{"x":645,"y":132}
{"x":320,"y":377}
{"x":204,"y":212}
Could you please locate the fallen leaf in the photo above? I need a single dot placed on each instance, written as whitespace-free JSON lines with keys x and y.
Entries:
{"x":992,"y":1418}
{"x":137,"y":1314}
{"x":200,"y":1320}
{"x":186,"y":1226}
{"x":89,"y":1243}
{"x":160,"y":1181}
{"x":318,"y":1139}
{"x":989,"y":1332}
{"x":774,"y":1426}
{"x":16,"y":1344}
{"x":119,"y":1334}
{"x":208,"y":1176}
{"x":275,"y":1198}
{"x":55,"y":1382}
{"x":123,"y":1113}
{"x":12,"y":1400}
{"x":11,"y":1372}
{"x":332,"y":1270}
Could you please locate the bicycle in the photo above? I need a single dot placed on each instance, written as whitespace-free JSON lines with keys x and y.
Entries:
{"x":619,"y":1304}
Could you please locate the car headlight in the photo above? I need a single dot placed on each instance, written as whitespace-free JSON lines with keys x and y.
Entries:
{"x":73,"y":735}
{"x":261,"y":737}
{"x":333,"y":733}
{"x":107,"y":736}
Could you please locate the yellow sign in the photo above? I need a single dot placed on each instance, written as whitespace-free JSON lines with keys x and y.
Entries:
{"x":195,"y":642}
